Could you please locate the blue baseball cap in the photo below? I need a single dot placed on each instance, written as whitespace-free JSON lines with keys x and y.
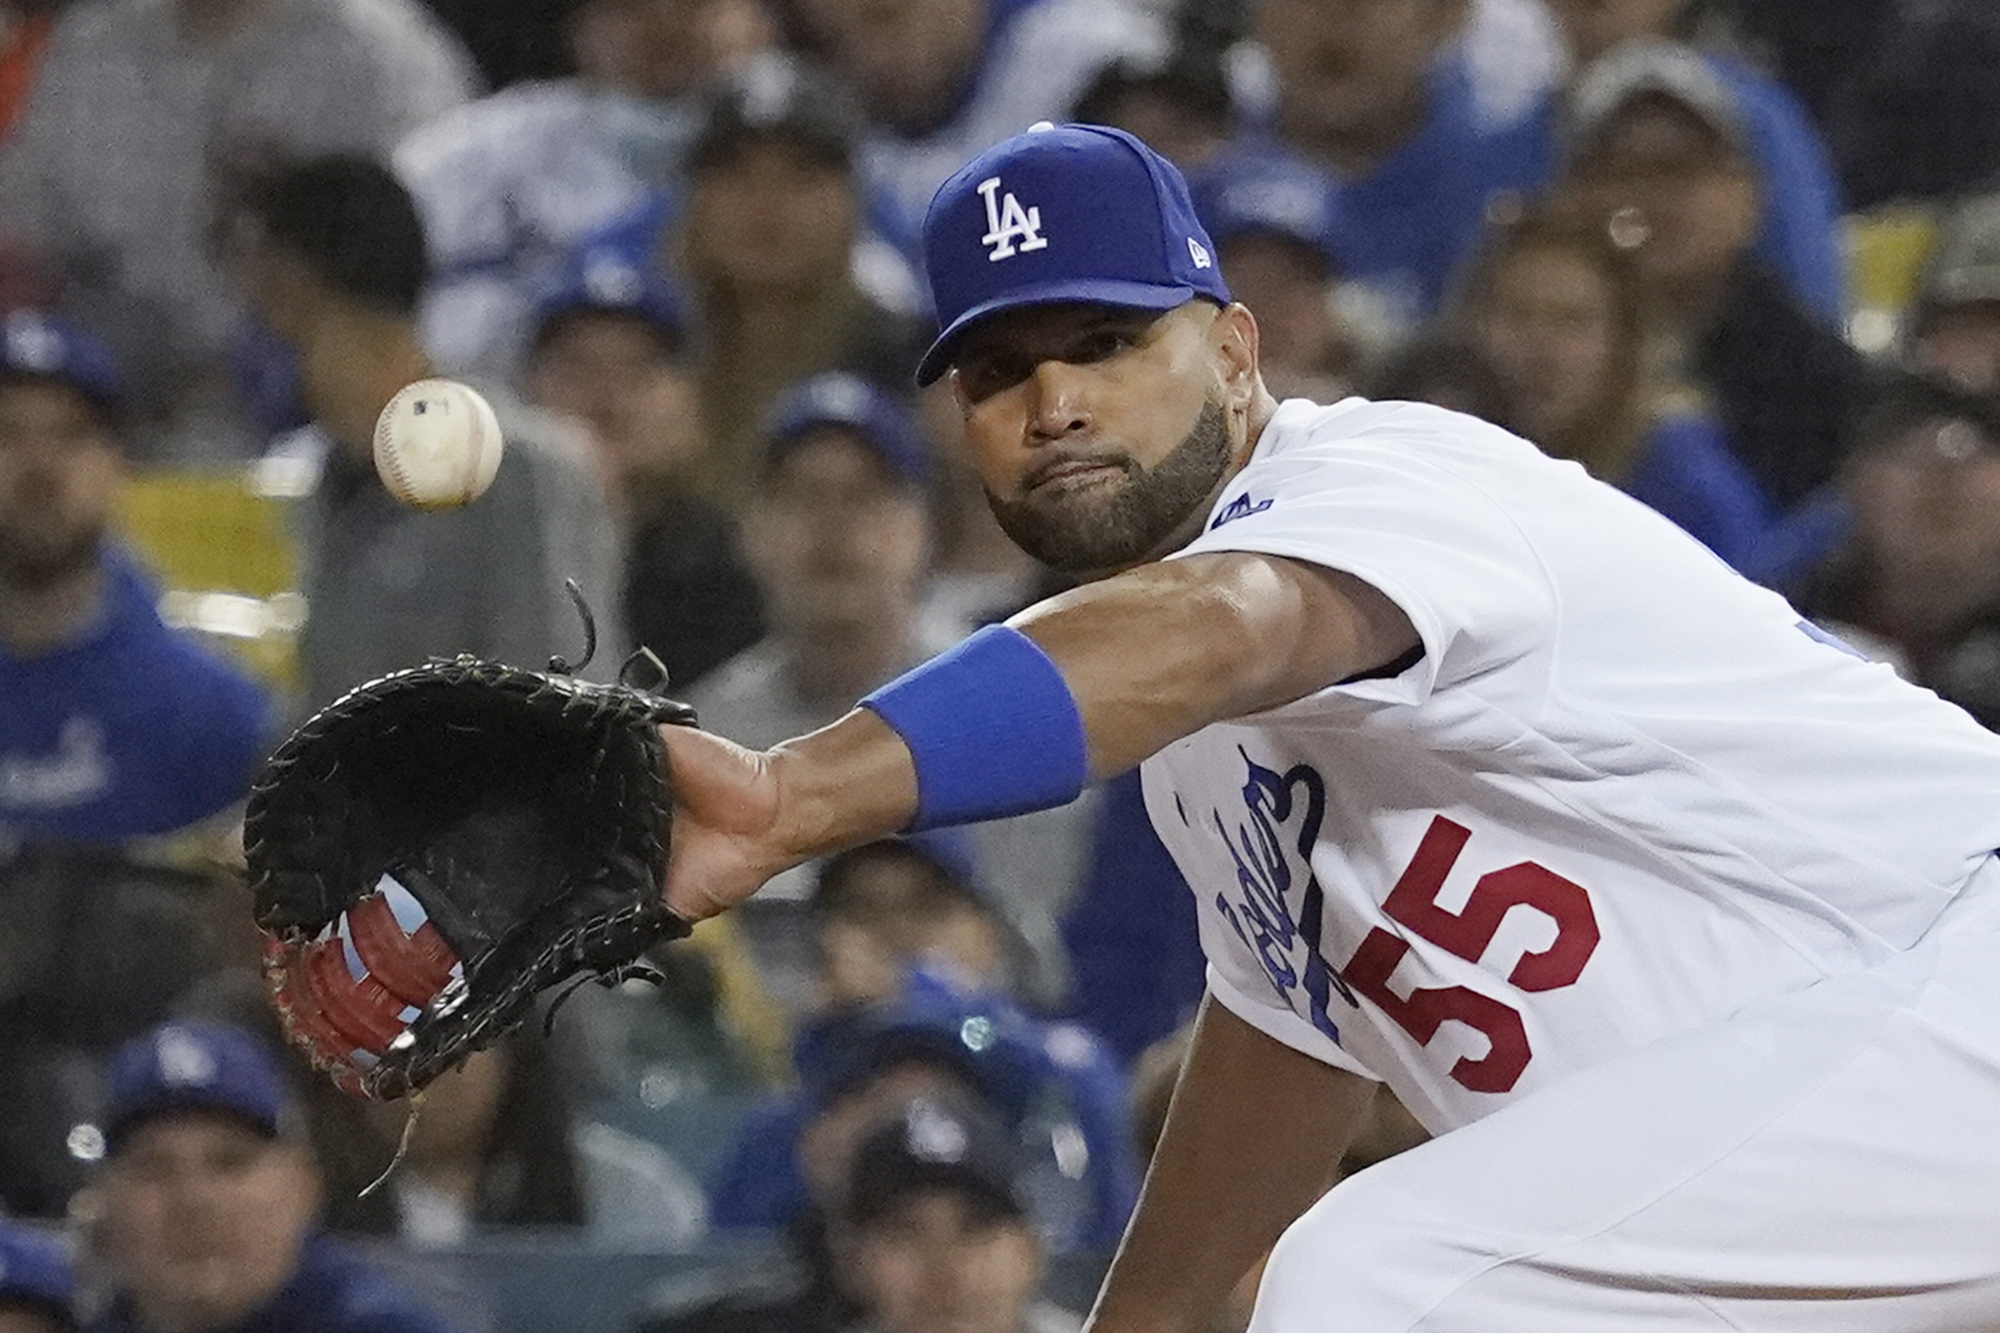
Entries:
{"x":841,"y":401}
{"x":980,"y":1035}
{"x":1269,"y":195}
{"x":38,"y":345}
{"x":605,"y":281}
{"x":948,"y":850}
{"x":1062,"y":213}
{"x":35,"y":1272}
{"x":935,"y":1142}
{"x":194,"y":1067}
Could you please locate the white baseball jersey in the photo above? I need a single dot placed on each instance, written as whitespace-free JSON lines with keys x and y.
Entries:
{"x":1622,"y":794}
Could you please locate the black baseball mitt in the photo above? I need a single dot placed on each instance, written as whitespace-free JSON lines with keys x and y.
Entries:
{"x":434,"y":848}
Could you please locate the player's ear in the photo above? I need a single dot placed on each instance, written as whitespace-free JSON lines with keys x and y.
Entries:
{"x":1233,"y":341}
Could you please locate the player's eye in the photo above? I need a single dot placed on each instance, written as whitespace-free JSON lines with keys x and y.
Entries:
{"x":1099,"y":344}
{"x":982,"y":376}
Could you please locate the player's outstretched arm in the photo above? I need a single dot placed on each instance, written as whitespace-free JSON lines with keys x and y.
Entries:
{"x":1253,"y":1136}
{"x":1084,"y":685}
{"x":1161,"y":651}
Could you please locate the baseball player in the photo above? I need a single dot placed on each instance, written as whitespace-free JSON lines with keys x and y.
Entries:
{"x":1674,"y":920}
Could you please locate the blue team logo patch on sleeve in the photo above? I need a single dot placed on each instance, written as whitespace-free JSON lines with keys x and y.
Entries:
{"x":1241,"y":507}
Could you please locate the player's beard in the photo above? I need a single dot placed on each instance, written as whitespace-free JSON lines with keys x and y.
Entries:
{"x":1089,"y":533}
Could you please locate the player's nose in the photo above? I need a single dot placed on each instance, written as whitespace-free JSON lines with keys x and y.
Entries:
{"x":1059,"y":400}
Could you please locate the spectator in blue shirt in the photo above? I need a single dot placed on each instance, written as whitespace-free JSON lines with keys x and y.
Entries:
{"x":1554,"y":305}
{"x":1367,"y":93}
{"x":114,"y":726}
{"x":1799,"y":235}
{"x":1658,"y":150}
{"x":209,"y":1196}
{"x":1055,"y":1087}
{"x":1273,"y":221}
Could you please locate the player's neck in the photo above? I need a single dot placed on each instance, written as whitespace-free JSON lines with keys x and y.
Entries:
{"x":45,"y":615}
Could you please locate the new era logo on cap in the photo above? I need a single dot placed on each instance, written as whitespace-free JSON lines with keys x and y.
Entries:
{"x":1062,"y":213}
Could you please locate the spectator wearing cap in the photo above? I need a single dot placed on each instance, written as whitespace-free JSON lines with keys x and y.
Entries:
{"x":775,"y":238}
{"x":510,"y":184}
{"x":940,"y":80}
{"x":1798,"y":235}
{"x":1554,"y":306}
{"x":839,"y":534}
{"x":332,"y":255}
{"x":884,"y":907}
{"x":1054,"y":1086}
{"x":779,"y":255}
{"x":1273,"y":223}
{"x":115,"y":726}
{"x":610,"y":350}
{"x":37,"y":1288}
{"x":935,"y":1228}
{"x":207,"y":1198}
{"x":147,"y":121}
{"x":1368,"y":93}
{"x":1658,"y":152}
{"x":1913,"y":576}
{"x":1953,"y":326}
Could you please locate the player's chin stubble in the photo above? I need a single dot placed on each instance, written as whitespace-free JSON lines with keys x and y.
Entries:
{"x":1088,"y":532}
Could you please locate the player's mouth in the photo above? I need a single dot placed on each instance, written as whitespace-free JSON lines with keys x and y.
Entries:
{"x":1073,"y":474}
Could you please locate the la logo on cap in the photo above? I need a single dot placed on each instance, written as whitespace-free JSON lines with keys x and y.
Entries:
{"x":1007,"y":223}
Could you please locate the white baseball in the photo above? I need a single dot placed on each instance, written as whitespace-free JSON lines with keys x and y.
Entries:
{"x":437,"y":445}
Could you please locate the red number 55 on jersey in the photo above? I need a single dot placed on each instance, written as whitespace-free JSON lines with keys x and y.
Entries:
{"x":1467,"y":933}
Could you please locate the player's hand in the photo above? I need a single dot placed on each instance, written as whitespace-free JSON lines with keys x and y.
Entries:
{"x":742,"y":816}
{"x":725,"y":830}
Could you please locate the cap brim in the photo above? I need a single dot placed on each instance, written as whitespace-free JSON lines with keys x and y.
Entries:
{"x":1131,"y":295}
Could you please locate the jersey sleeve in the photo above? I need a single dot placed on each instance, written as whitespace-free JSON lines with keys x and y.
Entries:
{"x":1436,"y":545}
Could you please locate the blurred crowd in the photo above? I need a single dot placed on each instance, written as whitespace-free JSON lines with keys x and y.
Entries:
{"x":1738,"y":258}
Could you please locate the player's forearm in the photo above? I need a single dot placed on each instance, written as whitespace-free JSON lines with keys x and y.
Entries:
{"x":1252,"y":1139}
{"x":1116,"y":670}
{"x":843,"y":785}
{"x":1161,"y":651}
